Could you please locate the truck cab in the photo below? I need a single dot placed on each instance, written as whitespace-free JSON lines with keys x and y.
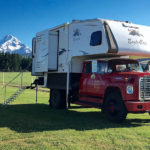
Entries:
{"x":117,"y":86}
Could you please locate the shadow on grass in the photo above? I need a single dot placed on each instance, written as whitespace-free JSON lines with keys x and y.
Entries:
{"x":39,"y":117}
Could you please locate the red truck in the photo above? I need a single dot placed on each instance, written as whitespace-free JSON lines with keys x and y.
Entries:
{"x":60,"y":62}
{"x":118,"y":87}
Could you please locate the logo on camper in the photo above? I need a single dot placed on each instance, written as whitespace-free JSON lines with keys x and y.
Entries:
{"x":133,"y":30}
{"x":135,"y":33}
{"x":76,"y":32}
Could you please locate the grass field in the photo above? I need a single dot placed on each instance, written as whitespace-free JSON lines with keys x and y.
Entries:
{"x":27,"y":125}
{"x":27,"y":78}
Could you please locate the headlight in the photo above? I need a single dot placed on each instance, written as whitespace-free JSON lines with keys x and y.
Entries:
{"x":129,"y":89}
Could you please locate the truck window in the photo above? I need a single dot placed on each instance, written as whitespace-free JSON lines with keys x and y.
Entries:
{"x":88,"y":68}
{"x":96,"y":38}
{"x":101,"y":67}
{"x":123,"y":65}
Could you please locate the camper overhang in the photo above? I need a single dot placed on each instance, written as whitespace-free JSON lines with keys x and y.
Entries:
{"x":131,"y":39}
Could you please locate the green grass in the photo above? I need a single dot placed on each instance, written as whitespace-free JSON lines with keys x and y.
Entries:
{"x":26,"y":125}
{"x":27,"y":78}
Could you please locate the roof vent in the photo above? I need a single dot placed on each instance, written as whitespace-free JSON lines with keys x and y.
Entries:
{"x":75,"y":20}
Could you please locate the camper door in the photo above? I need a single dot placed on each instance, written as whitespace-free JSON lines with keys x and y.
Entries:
{"x":33,"y":55}
{"x":41,"y":64}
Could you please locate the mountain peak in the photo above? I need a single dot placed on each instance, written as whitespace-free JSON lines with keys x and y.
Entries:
{"x":8,"y":37}
{"x":12,"y":45}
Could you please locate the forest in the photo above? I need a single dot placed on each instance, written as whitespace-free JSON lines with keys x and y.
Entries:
{"x":14,"y":62}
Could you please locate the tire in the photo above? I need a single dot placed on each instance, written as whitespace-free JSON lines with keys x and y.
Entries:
{"x":57,"y":99}
{"x":114,"y":108}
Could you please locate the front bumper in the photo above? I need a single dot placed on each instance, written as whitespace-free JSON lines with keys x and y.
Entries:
{"x":137,"y":106}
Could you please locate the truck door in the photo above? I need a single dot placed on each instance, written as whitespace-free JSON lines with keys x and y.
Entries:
{"x":87,"y":93}
{"x":96,"y":83}
{"x":84,"y":79}
{"x":93,"y":84}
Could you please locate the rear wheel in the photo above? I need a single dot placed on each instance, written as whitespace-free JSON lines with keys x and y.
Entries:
{"x":114,"y":108}
{"x":57,"y":99}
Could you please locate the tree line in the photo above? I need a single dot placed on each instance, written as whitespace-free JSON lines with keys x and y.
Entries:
{"x":14,"y":62}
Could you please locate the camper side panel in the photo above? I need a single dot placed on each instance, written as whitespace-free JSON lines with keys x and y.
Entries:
{"x":87,"y":38}
{"x":63,"y":49}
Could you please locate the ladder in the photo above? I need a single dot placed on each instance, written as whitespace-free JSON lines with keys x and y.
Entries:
{"x":21,"y":89}
{"x":14,"y":96}
{"x":17,"y":93}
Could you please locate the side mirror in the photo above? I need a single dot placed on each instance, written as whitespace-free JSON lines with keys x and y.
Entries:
{"x":94,"y":66}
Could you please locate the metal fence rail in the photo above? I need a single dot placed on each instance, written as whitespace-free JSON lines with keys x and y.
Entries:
{"x":20,"y":74}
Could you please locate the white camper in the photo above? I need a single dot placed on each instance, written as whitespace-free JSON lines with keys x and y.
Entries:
{"x":58,"y":52}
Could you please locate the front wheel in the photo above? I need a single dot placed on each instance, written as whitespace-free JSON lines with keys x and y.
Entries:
{"x":114,"y":108}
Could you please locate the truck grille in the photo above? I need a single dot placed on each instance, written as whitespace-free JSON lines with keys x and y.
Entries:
{"x":145,"y":88}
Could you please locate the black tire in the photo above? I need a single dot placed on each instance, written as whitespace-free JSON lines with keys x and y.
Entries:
{"x":58,"y":99}
{"x":114,"y":108}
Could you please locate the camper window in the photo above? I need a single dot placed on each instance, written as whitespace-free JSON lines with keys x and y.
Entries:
{"x":96,"y":38}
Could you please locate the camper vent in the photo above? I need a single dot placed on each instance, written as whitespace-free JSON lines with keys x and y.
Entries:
{"x":75,"y":20}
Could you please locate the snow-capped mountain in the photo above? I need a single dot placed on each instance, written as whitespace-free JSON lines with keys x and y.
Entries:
{"x":12,"y":45}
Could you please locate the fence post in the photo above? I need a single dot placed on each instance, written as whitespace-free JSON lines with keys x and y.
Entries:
{"x":5,"y":96}
{"x":3,"y":79}
{"x":21,"y":78}
{"x":36,"y":93}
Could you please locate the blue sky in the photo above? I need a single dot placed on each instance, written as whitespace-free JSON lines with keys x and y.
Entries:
{"x":23,"y":18}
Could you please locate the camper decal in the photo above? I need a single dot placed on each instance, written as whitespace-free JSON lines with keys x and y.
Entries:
{"x":135,"y":33}
{"x":62,"y":51}
{"x":129,"y":26}
{"x":135,"y":42}
{"x":84,"y":52}
{"x":76,"y":35}
{"x":45,"y":55}
{"x":76,"y":32}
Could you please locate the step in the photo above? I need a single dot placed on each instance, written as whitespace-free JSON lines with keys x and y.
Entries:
{"x":14,"y":96}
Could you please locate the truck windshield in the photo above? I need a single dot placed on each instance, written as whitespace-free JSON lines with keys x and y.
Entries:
{"x":127,"y":67}
{"x":124,"y":65}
